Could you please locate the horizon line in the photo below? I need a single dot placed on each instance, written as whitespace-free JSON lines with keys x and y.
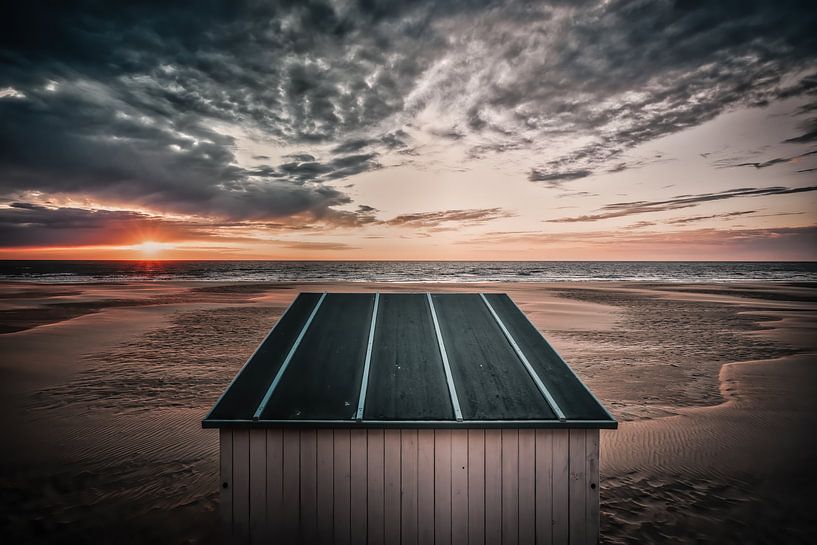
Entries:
{"x":125,"y":260}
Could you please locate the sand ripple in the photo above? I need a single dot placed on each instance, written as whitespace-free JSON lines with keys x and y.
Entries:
{"x":185,"y":365}
{"x":128,"y":460}
{"x":663,"y":353}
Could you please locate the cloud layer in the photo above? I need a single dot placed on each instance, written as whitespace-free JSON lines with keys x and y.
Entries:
{"x":622,"y":209}
{"x":29,"y":225}
{"x":148,"y":105}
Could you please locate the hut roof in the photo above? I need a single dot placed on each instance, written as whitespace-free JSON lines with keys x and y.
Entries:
{"x":406,"y":360}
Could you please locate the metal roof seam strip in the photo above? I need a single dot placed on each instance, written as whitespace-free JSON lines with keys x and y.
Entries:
{"x":452,"y":390}
{"x":364,"y":384}
{"x":246,"y":363}
{"x":521,"y":355}
{"x":282,"y":370}
{"x":549,"y":423}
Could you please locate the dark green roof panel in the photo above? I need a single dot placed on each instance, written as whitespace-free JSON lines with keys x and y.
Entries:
{"x":406,"y":360}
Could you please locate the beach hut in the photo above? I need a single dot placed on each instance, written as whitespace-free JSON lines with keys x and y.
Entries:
{"x":408,"y":418}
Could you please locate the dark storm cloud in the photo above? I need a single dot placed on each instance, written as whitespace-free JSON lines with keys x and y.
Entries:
{"x":639,"y":163}
{"x":24,"y":224}
{"x":395,"y":140}
{"x":632,"y":72}
{"x":695,"y":219}
{"x":435,"y":219}
{"x":299,"y":70}
{"x":767,"y":163}
{"x":352,"y":145}
{"x":27,"y":224}
{"x":576,"y":194}
{"x":319,"y":246}
{"x":60,"y":142}
{"x":810,"y":134}
{"x":641,"y":225}
{"x":352,"y":164}
{"x":452,"y":133}
{"x":301,"y":157}
{"x":476,"y":152}
{"x":622,"y":209}
{"x":306,"y":168}
{"x":117,"y":103}
{"x":556,"y":178}
{"x":134,"y":102}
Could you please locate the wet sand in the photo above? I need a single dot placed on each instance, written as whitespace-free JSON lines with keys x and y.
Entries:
{"x":104,"y":386}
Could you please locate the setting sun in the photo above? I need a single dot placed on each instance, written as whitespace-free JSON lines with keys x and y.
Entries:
{"x":150,"y":247}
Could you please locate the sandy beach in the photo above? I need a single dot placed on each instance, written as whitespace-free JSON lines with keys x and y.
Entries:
{"x":104,"y":387}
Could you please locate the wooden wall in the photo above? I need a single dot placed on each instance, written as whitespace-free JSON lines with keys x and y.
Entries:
{"x":410,"y":486}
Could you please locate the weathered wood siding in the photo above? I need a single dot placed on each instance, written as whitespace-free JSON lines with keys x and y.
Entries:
{"x":410,"y":486}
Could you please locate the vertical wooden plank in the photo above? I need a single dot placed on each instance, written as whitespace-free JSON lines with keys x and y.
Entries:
{"x":309,"y":486}
{"x":544,"y":487}
{"x":241,"y":486}
{"x":510,"y":486}
{"x":358,"y":485}
{"x":258,"y":485}
{"x":459,"y":487}
{"x":408,"y":487}
{"x":442,"y":487}
{"x":291,"y":486}
{"x":375,"y":488}
{"x":578,"y":484}
{"x":561,"y":479}
{"x":493,"y":486}
{"x":325,"y":485}
{"x":275,"y":483}
{"x":342,"y":487}
{"x":425,"y":486}
{"x":592,"y":486}
{"x":226,"y":475}
{"x":527,"y":487}
{"x":476,"y":487}
{"x":391,"y":486}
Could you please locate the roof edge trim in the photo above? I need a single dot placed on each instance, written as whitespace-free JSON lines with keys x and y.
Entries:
{"x":413,"y":424}
{"x":282,"y":370}
{"x":521,"y":355}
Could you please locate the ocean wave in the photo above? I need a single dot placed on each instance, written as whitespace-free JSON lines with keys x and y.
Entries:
{"x":405,"y":271}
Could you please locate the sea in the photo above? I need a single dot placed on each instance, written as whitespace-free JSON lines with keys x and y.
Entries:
{"x":406,"y":271}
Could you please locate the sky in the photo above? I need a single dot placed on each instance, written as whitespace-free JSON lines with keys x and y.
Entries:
{"x":561,"y":130}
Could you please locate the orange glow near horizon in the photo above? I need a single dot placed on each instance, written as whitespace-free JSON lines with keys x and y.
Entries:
{"x":704,"y":244}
